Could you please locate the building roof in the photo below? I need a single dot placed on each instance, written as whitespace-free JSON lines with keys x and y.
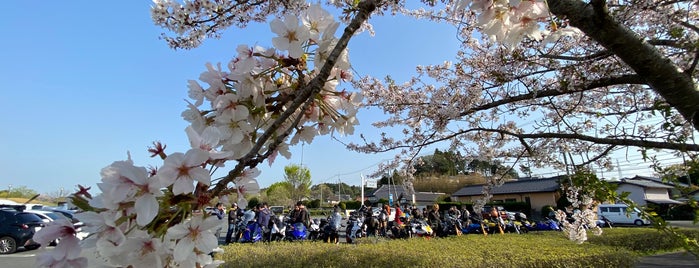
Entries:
{"x":399,"y":191}
{"x":514,"y":187}
{"x":645,"y":183}
{"x":659,"y":180}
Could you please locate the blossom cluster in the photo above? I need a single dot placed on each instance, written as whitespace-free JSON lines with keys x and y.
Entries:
{"x":146,"y":217}
{"x":510,"y":22}
{"x":582,"y":217}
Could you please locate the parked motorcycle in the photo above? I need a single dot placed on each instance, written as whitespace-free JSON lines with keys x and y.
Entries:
{"x":451,"y":226}
{"x":354,"y":228}
{"x":475,"y":227}
{"x":548,"y":225}
{"x":296,"y":232}
{"x":420,"y":228}
{"x":252,"y":233}
{"x":332,"y":229}
{"x":277,"y":228}
{"x":314,"y":231}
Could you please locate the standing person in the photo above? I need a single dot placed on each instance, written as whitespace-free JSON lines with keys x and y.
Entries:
{"x":399,"y":213}
{"x":220,"y":214}
{"x":434,"y":219}
{"x":383,"y":219}
{"x":263,"y":216}
{"x":234,"y":215}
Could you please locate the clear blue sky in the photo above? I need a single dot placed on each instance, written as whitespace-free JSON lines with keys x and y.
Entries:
{"x":83,"y":82}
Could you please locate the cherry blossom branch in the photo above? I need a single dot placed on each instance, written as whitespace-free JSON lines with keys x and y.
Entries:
{"x":662,"y":75}
{"x":365,"y":8}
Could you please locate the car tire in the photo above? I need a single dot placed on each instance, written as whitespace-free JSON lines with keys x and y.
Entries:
{"x":8,"y":245}
{"x":638,"y":222}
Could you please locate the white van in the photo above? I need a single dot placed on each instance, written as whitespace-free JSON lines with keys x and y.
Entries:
{"x":617,"y":213}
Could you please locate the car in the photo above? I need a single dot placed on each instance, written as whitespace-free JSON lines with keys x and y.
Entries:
{"x":55,"y":213}
{"x":17,"y":228}
{"x":620,"y":214}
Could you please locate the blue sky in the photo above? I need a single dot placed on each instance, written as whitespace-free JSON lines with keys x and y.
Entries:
{"x":83,"y":82}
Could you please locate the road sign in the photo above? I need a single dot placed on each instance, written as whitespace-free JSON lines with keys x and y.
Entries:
{"x":371,"y":184}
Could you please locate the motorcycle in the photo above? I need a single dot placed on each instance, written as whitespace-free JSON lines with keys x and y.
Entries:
{"x":314,"y":230}
{"x":277,"y":229}
{"x":296,"y":232}
{"x":248,"y":230}
{"x":332,"y":229}
{"x":354,"y":228}
{"x":548,"y":225}
{"x":476,"y":226}
{"x":451,"y":226}
{"x":420,"y":228}
{"x":252,"y":233}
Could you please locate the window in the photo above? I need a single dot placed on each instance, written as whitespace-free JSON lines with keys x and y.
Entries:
{"x":510,"y":200}
{"x":615,"y":209}
{"x":604,"y":210}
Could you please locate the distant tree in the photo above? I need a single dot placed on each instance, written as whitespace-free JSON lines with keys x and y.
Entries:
{"x":279,"y":193}
{"x":321,"y":191}
{"x":300,"y":180}
{"x":488,"y":168}
{"x":21,"y":192}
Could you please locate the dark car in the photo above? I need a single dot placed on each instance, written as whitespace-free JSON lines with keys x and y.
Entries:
{"x":17,"y":229}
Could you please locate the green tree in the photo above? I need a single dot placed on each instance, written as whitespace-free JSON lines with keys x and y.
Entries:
{"x":279,"y":193}
{"x":300,"y":180}
{"x":321,"y":191}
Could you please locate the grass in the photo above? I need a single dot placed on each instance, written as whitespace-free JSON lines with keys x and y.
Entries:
{"x":618,"y":247}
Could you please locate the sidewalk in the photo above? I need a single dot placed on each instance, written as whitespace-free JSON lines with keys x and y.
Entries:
{"x":674,"y":259}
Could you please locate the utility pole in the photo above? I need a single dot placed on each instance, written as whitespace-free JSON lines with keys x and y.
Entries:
{"x":618,"y":168}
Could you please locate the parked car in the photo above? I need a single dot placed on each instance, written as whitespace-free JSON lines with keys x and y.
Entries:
{"x":619,"y":214}
{"x":17,"y":228}
{"x":70,"y":215}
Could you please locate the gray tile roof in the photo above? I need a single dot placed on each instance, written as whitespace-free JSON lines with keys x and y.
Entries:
{"x":398,"y":190}
{"x":514,"y":187}
{"x":645,"y":183}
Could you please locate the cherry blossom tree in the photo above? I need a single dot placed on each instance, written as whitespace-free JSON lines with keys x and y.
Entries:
{"x":533,"y":79}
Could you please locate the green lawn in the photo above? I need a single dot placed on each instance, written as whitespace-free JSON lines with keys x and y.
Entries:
{"x":617,"y":247}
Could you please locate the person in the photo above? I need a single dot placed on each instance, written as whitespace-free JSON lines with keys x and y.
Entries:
{"x":383,"y":219}
{"x":300,"y":214}
{"x":220,"y":214}
{"x":234,"y":215}
{"x":399,"y":213}
{"x":465,"y":215}
{"x":416,"y":212}
{"x":263,"y":216}
{"x":454,"y":212}
{"x":434,"y":219}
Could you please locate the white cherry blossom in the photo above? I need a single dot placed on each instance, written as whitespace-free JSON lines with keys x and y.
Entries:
{"x":291,"y":35}
{"x":182,"y":170}
{"x":194,"y":233}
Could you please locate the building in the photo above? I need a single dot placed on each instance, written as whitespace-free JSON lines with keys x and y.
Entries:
{"x":534,"y":191}
{"x":643,"y":190}
{"x":399,"y":193}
